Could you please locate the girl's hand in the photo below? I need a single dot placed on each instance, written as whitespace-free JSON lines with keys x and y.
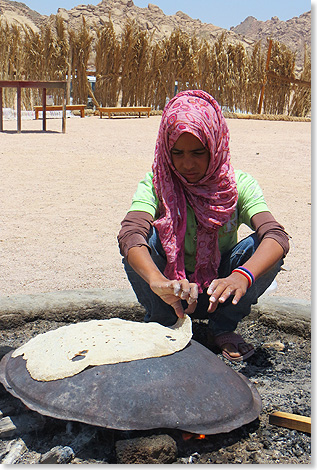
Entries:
{"x":221,"y":289}
{"x":172,"y":292}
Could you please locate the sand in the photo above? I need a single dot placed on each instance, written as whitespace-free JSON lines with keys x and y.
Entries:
{"x":64,"y":196}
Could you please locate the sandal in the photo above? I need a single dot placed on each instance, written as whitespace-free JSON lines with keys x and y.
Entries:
{"x":235,"y":339}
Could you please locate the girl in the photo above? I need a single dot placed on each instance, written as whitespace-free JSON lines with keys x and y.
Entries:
{"x":179,"y":238}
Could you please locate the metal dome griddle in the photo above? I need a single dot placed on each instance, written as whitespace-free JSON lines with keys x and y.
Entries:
{"x":191,"y":390}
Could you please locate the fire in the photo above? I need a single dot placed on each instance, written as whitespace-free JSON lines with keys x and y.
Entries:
{"x":188,"y":435}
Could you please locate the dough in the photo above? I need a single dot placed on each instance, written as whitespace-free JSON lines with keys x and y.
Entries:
{"x":70,"y":349}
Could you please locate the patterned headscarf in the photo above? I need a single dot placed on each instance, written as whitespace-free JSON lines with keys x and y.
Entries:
{"x":213,"y":198}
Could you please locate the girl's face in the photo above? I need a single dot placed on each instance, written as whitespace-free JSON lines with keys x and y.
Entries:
{"x":190,"y":158}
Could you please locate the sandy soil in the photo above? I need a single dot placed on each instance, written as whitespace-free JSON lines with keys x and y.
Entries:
{"x":64,"y":195}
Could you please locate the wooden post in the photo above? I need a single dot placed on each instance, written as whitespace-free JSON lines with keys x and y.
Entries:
{"x":19,"y":108}
{"x":91,"y":93}
{"x":1,"y":112}
{"x":265,"y":78}
{"x":64,"y":110}
{"x":69,"y":77}
{"x":44,"y":108}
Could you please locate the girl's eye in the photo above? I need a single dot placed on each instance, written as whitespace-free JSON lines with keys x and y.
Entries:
{"x":199,"y":153}
{"x":176,"y":153}
{"x":194,"y":152}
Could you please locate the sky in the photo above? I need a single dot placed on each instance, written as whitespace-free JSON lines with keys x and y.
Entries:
{"x":222,"y":13}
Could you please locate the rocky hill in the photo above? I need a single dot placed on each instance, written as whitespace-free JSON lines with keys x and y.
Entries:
{"x":19,"y":13}
{"x":294,"y":33}
{"x":151,"y":19}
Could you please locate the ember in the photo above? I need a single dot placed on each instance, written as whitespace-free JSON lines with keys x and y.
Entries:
{"x":187,"y":435}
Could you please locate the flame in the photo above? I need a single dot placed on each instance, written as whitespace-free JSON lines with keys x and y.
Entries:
{"x":188,"y":435}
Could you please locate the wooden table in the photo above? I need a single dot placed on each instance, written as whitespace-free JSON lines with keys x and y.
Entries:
{"x":43,"y":85}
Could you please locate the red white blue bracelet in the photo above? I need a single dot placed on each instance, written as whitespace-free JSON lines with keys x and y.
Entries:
{"x":246,"y":273}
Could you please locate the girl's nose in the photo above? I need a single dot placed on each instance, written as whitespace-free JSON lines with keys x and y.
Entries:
{"x":188,"y":162}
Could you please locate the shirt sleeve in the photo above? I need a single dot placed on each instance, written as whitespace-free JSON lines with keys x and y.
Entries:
{"x":266,"y":226}
{"x":251,"y":200}
{"x":145,"y":199}
{"x":135,"y":229}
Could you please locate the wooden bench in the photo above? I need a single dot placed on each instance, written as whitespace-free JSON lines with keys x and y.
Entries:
{"x":57,"y":107}
{"x":132,"y":109}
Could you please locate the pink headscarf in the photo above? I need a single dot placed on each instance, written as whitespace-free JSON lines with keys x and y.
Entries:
{"x":213,"y":198}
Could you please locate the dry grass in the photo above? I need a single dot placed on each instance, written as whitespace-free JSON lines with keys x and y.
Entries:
{"x":132,"y":70}
{"x":108,"y":64}
{"x":301,"y":99}
{"x":80,"y":46}
{"x":277,"y":94}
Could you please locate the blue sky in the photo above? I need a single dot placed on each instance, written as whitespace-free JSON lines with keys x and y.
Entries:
{"x":222,"y":13}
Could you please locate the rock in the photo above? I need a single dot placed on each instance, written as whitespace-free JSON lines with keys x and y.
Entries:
{"x":161,"y":449}
{"x":9,"y":405}
{"x":15,"y":451}
{"x":287,"y":314}
{"x":78,"y":461}
{"x":62,"y":12}
{"x":283,"y":31}
{"x":194,"y":457}
{"x":22,"y":424}
{"x":18,"y":13}
{"x":67,"y":305}
{"x":58,"y":455}
{"x":154,"y":8}
{"x":277,"y":345}
{"x":115,"y":12}
{"x":83,"y":438}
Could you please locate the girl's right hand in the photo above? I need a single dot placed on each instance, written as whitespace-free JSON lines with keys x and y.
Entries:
{"x":173,"y":292}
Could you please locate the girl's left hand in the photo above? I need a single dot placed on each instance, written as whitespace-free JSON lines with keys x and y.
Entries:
{"x":221,"y":289}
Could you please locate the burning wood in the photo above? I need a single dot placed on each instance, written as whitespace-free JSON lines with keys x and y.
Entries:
{"x":188,"y":435}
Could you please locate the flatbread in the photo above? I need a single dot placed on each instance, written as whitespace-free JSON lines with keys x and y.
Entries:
{"x":70,"y":349}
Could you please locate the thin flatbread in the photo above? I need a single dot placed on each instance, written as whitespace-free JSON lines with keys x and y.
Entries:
{"x":70,"y":349}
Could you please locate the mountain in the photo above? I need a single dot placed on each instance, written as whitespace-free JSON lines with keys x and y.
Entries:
{"x":19,"y":13}
{"x":294,"y":33}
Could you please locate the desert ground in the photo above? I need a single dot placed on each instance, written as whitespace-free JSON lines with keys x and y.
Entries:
{"x":64,"y":196}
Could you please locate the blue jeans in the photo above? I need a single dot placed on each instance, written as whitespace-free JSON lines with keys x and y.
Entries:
{"x":227,"y":316}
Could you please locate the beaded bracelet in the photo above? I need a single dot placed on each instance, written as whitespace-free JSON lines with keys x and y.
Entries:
{"x":246,"y":273}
